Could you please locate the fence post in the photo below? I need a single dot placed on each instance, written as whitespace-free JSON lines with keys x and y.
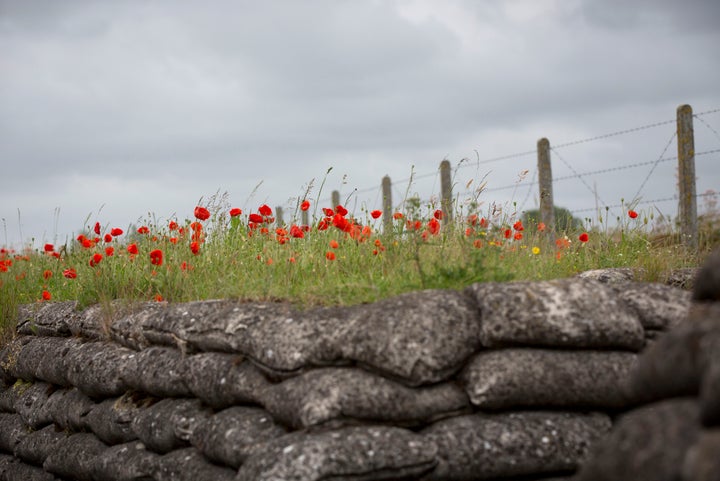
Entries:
{"x":547,"y":209}
{"x":335,"y":198}
{"x":687,"y":210}
{"x":387,"y":204}
{"x":279,"y":216}
{"x":446,"y":190}
{"x":304,"y":217}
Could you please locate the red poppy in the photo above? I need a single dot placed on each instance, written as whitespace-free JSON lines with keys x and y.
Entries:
{"x":158,"y":298}
{"x":143,"y":230}
{"x":434,"y":225}
{"x":194,"y":247}
{"x":584,"y":237}
{"x":518,"y":226}
{"x":305,"y":205}
{"x":172,"y":225}
{"x":202,"y":213}
{"x":334,"y":244}
{"x":156,"y":257}
{"x":397,"y":215}
{"x":132,"y":249}
{"x":183,"y":266}
{"x":70,"y":273}
{"x":116,"y":231}
{"x":477,"y":243}
{"x":323,"y":224}
{"x":235,"y":211}
{"x":95,"y":260}
{"x":109,"y":251}
{"x":46,"y":296}
{"x":265,"y":210}
{"x":96,"y":229}
{"x":507,"y":233}
{"x":329,"y":255}
{"x":632,"y":214}
{"x":47,"y":274}
{"x":541,"y":227}
{"x":341,"y":210}
{"x":328,"y":212}
{"x":518,"y":236}
{"x":341,"y":222}
{"x":438,"y":214}
{"x":469,"y":231}
{"x":87,"y":243}
{"x":256,"y":218}
{"x":375,"y":214}
{"x":196,"y":227}
{"x":49,"y":248}
{"x":483,"y":222}
{"x":107,"y":238}
{"x":297,"y":232}
{"x":173,"y":240}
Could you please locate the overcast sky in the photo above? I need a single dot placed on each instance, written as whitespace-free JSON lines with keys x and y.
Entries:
{"x":116,"y":109}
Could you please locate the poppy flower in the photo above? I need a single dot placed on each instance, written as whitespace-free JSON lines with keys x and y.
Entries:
{"x":477,"y":243}
{"x":87,"y":243}
{"x":46,"y":296}
{"x":632,"y":214}
{"x":265,"y":210}
{"x":518,"y":236}
{"x":323,"y":224}
{"x":109,"y":251}
{"x":47,"y":274}
{"x":256,"y":218}
{"x":158,"y":298}
{"x":196,"y":227}
{"x":95,"y":260}
{"x":107,"y":238}
{"x":341,"y":210}
{"x":434,"y":225}
{"x":584,"y":237}
{"x":297,"y":232}
{"x":132,"y":249}
{"x":507,"y":233}
{"x":518,"y":226}
{"x":305,"y":205}
{"x":96,"y":229}
{"x":156,"y":257}
{"x":183,"y":266}
{"x":438,"y":214}
{"x":194,"y":248}
{"x":329,"y":255}
{"x":173,"y":240}
{"x":115,"y":231}
{"x":235,"y":211}
{"x":172,"y":225}
{"x":201,"y":213}
{"x":541,"y":227}
{"x":483,"y":222}
{"x":328,"y":212}
{"x":49,"y":248}
{"x":375,"y":214}
{"x":334,"y":244}
{"x":397,"y":215}
{"x":143,"y":229}
{"x":70,"y":273}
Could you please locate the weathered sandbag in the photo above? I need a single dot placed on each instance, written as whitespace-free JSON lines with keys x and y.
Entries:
{"x":189,"y":465}
{"x":354,"y":453}
{"x":47,"y":319}
{"x":12,"y":469}
{"x":96,"y":368}
{"x":31,"y":403}
{"x":169,"y":423}
{"x":710,"y":392}
{"x":42,"y":358}
{"x":12,"y":430}
{"x":228,"y":436}
{"x":341,"y":394}
{"x":674,"y":365}
{"x":126,"y":326}
{"x":8,"y":360}
{"x":9,"y":395}
{"x":702,"y":462}
{"x":611,"y":275}
{"x":221,"y":380}
{"x":528,"y":377}
{"x":490,"y":446}
{"x":390,"y":336}
{"x":125,"y":462}
{"x":38,"y":445}
{"x":74,"y":457}
{"x":646,"y":444}
{"x":706,"y":288}
{"x":657,"y":306}
{"x":111,"y":420}
{"x":68,"y":408}
{"x":572,"y":312}
{"x":158,"y":371}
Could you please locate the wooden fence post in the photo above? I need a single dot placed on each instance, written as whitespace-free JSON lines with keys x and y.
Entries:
{"x":547,"y":209}
{"x":446,"y":190}
{"x":279,"y":216}
{"x":687,"y":209}
{"x":304,"y":217}
{"x":387,"y":204}
{"x":335,"y":198}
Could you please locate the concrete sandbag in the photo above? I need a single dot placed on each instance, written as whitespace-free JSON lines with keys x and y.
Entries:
{"x":75,"y":456}
{"x":96,"y":368}
{"x":169,"y":423}
{"x":189,"y":465}
{"x":38,"y":445}
{"x":125,"y":462}
{"x":221,"y":380}
{"x":158,"y":371}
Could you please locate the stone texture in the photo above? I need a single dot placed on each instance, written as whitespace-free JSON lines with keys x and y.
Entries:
{"x":527,"y":377}
{"x":489,"y":446}
{"x":125,"y":462}
{"x":8,"y":359}
{"x":31,"y":404}
{"x":111,"y":420}
{"x":12,"y":430}
{"x":576,"y":313}
{"x":158,"y":371}
{"x":359,"y":453}
{"x":74,"y":457}
{"x":683,"y":278}
{"x":702,"y":462}
{"x":611,"y":276}
{"x":647,"y":444}
{"x":228,"y":436}
{"x":38,"y":445}
{"x":42,"y":358}
{"x":658,"y":306}
{"x":96,"y":368}
{"x":189,"y":465}
{"x":341,"y":394}
{"x":169,"y":423}
{"x":12,"y":469}
{"x":127,"y":326}
{"x":68,"y":408}
{"x":47,"y":319}
{"x":223,"y":380}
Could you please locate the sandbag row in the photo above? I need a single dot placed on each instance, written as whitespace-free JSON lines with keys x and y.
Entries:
{"x":496,"y":381}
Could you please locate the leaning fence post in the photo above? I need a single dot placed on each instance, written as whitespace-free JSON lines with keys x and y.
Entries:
{"x":279,"y":216}
{"x":335,"y":198}
{"x":446,"y":190}
{"x":547,"y":210}
{"x":687,"y":209}
{"x":387,"y":204}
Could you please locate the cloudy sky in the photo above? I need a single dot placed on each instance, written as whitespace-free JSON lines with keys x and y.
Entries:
{"x":117,"y":110}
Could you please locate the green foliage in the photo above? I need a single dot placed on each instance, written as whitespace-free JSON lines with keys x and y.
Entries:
{"x":564,"y":220}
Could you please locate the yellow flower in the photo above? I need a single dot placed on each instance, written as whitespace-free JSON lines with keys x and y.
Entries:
{"x":536,"y":250}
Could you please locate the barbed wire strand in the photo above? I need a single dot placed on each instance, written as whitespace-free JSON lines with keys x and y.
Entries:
{"x":653,"y":201}
{"x":667,"y":146}
{"x":580,"y":177}
{"x":709,"y":127}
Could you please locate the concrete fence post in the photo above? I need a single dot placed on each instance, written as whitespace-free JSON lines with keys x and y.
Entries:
{"x":304,"y":217}
{"x":687,"y":209}
{"x":279,"y":216}
{"x":547,"y":209}
{"x":335,"y":198}
{"x":387,"y":204}
{"x":446,"y":190}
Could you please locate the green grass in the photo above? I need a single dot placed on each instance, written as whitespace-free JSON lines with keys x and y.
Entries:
{"x":239,"y":262}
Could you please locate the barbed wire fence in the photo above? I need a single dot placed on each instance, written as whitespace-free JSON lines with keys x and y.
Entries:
{"x":447,"y":200}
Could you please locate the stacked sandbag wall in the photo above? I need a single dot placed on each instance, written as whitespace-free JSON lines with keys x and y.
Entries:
{"x":498,"y":381}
